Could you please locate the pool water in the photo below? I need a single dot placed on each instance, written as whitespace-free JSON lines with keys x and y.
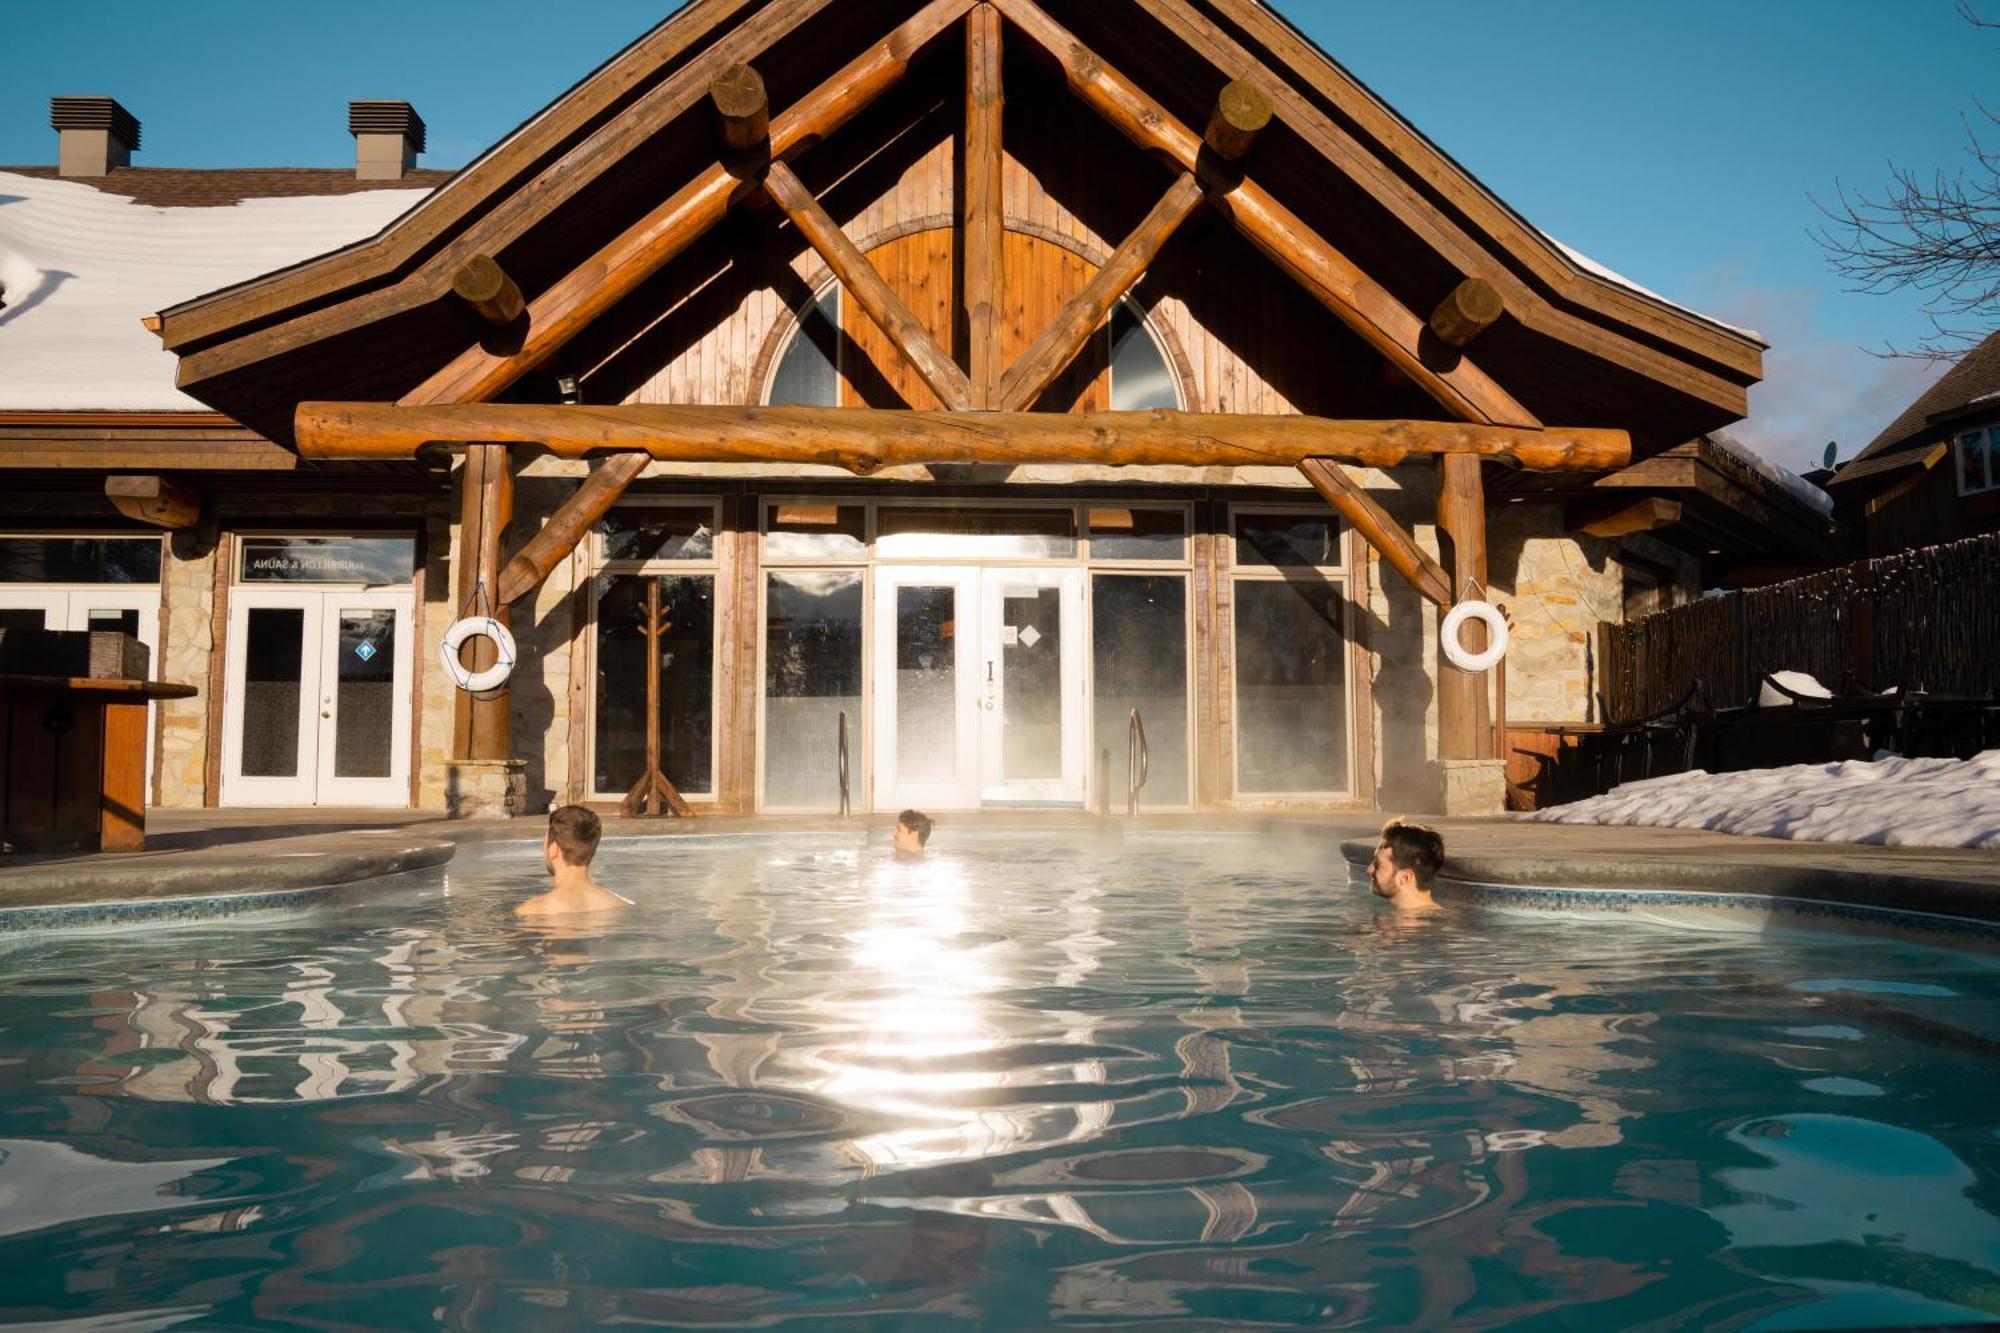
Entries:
{"x":1170,"y":1079}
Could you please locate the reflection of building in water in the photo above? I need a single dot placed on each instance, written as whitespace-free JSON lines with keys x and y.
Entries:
{"x":350,"y":1036}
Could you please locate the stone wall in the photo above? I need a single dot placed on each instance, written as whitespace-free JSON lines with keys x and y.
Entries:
{"x":187,"y":600}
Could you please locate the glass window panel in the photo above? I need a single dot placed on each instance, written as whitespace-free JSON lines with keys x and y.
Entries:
{"x":370,"y":560}
{"x":659,"y":532}
{"x":1139,"y":654}
{"x":23,"y":617}
{"x":926,"y":683}
{"x":365,"y":695}
{"x":1031,"y":683}
{"x":1301,"y":541}
{"x":1118,"y":533}
{"x":1140,"y":376}
{"x":273,"y":659}
{"x":974,"y":533}
{"x":1976,"y":461}
{"x":811,"y":530}
{"x":1291,"y":687}
{"x":686,"y":671}
{"x":79,"y":560}
{"x":812,"y":674}
{"x":808,"y":373}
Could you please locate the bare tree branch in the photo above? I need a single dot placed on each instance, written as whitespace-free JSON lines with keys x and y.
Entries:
{"x":1938,"y":235}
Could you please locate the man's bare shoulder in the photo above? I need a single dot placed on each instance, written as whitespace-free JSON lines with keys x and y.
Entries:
{"x":557,"y":903}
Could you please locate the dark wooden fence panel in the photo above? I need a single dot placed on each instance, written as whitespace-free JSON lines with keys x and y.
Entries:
{"x":1926,"y":619}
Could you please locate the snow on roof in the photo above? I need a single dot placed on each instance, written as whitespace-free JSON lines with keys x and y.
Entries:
{"x":1791,"y":482}
{"x":81,"y":266}
{"x":1589,"y":265}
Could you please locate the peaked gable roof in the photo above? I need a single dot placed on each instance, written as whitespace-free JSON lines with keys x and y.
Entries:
{"x":1334,"y":147}
{"x":1974,"y":380}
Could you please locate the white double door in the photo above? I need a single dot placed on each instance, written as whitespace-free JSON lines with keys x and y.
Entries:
{"x":131,"y":608}
{"x":979,"y":687}
{"x":316,"y":707}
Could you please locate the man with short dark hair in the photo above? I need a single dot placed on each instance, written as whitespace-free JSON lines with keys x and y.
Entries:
{"x":567,"y":850}
{"x":913,"y":833}
{"x":1407,"y":858}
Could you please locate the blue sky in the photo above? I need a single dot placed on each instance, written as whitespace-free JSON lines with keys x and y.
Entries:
{"x":1679,"y":143}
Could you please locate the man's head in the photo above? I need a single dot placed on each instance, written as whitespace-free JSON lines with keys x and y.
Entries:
{"x":573,"y":834}
{"x":913,"y":831}
{"x":1407,"y":857}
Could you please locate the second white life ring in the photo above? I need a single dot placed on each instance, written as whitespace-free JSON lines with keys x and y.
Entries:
{"x":478,"y":627}
{"x":1496,"y":635}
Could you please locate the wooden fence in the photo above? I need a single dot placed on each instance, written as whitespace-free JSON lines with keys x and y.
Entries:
{"x":1926,"y":619}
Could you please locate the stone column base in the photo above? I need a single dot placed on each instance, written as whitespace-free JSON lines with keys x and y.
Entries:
{"x":486,"y":788}
{"x":1475,"y":786}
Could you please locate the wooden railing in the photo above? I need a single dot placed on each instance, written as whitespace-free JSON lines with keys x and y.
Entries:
{"x":1927,"y":620}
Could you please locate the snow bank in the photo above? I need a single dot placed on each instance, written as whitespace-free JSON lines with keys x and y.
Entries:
{"x":81,"y":267}
{"x":1896,"y":802}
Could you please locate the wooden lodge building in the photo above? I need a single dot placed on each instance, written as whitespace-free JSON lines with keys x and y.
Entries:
{"x":966,"y":377}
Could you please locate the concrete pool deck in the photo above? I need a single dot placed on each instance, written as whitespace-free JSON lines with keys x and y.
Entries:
{"x":215,"y":862}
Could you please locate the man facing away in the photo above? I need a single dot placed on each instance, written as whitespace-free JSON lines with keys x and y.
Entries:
{"x":1407,"y":858}
{"x":567,"y":850}
{"x":913,"y":832}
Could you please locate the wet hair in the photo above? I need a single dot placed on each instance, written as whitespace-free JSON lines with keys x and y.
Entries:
{"x":575,"y":829}
{"x":1414,"y":848}
{"x":918,"y":823}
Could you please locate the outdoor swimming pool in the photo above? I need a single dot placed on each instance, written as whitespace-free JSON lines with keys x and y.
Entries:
{"x":1184,"y":1079}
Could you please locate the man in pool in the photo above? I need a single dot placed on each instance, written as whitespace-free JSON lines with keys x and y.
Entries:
{"x":567,"y":851}
{"x":1407,"y":858}
{"x":913,"y":833}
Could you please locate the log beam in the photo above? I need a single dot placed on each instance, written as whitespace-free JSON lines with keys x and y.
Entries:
{"x":482,"y":284}
{"x":555,"y":316}
{"x":566,"y":527}
{"x":1619,"y":517}
{"x":1333,"y":279}
{"x":984,"y":228}
{"x":1242,"y":110}
{"x":742,"y":108}
{"x":162,"y":501}
{"x":1465,"y":729}
{"x":865,"y":284}
{"x":1473,"y":307}
{"x":1081,"y":316}
{"x":1398,"y":549}
{"x":862,"y":440}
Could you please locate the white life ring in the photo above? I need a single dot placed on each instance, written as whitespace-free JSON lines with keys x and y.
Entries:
{"x":1496,"y":635}
{"x":478,"y":627}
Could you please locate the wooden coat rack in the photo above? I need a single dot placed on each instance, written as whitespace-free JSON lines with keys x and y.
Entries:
{"x":653,"y":794}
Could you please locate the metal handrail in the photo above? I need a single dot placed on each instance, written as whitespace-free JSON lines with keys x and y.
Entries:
{"x":843,"y":767}
{"x":1138,"y":761}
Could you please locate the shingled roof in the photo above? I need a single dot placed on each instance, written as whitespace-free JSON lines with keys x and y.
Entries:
{"x":181,"y":187}
{"x":1974,"y":380}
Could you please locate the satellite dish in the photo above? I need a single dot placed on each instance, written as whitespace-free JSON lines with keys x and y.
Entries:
{"x":1832,"y":452}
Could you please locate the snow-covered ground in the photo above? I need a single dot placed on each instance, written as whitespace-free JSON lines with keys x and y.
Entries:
{"x":1896,"y":802}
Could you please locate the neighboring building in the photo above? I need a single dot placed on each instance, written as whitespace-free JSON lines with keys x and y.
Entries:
{"x":987,"y":629}
{"x":1933,"y":475}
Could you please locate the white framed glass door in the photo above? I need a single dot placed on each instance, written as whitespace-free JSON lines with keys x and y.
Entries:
{"x":927,"y":704}
{"x":1033,"y":744}
{"x":317,"y":697}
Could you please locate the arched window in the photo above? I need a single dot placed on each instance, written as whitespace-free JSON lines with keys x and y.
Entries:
{"x":1141,"y":377}
{"x":807,"y":373}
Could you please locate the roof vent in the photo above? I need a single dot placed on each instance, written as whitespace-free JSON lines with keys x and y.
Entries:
{"x":95,"y":135}
{"x":387,"y":138}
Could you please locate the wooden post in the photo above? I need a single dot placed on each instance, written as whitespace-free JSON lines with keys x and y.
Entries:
{"x":1465,"y":730}
{"x":565,"y":528}
{"x":1241,"y":112}
{"x":1473,"y":307}
{"x":486,"y":505}
{"x":165,"y":502}
{"x":1398,"y":549}
{"x":741,"y":107}
{"x":984,"y":228}
{"x":482,"y":284}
